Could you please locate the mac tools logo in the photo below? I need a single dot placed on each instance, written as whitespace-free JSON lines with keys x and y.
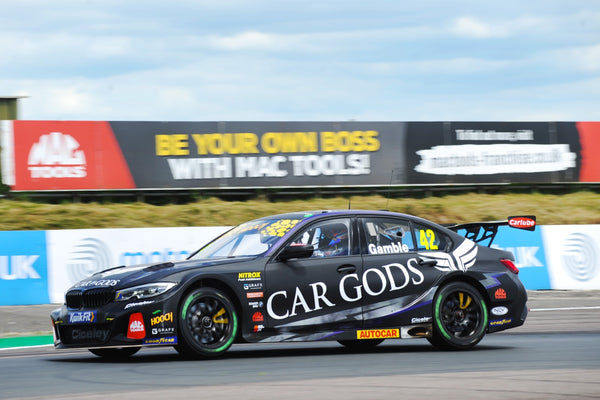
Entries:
{"x":56,"y":155}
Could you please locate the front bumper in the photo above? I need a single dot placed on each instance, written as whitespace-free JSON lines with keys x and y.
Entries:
{"x":116,"y":324}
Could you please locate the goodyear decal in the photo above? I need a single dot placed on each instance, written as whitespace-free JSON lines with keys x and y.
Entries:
{"x":378,"y":334}
{"x":161,"y":341}
{"x":500,"y":322}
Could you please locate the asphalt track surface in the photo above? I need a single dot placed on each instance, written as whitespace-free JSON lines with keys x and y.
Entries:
{"x":555,"y":355}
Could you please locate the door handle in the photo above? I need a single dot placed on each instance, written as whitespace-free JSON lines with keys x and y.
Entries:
{"x":346,"y":269}
{"x":427,"y":263}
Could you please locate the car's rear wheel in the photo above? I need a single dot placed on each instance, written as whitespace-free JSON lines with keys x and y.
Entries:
{"x":208,"y":323}
{"x":116,"y":353}
{"x":460,"y":317}
{"x":360,"y":345}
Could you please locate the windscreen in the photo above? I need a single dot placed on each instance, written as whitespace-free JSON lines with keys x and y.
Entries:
{"x":248,"y":239}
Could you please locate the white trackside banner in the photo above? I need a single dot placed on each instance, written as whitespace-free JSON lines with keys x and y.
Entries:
{"x":75,"y":254}
{"x":573,"y":256}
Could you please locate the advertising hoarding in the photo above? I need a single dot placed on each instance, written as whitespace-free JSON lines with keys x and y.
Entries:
{"x":100,"y":155}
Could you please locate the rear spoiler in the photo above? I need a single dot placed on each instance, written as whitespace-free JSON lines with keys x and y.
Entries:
{"x":480,"y":231}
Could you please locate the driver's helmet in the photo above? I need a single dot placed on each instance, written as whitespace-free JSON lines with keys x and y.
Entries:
{"x":333,"y":240}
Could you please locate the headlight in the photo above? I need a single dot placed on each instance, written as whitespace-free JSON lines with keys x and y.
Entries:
{"x":143,"y":291}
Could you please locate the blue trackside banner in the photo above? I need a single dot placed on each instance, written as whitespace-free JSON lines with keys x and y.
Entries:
{"x":23,"y":268}
{"x":528,"y":248}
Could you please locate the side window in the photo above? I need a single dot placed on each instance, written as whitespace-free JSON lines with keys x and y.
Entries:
{"x":329,"y":238}
{"x":429,"y":239}
{"x":387,"y":236}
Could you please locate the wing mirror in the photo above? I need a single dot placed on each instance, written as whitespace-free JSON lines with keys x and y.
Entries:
{"x":296,"y":251}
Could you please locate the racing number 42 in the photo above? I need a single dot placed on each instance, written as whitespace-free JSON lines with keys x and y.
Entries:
{"x":427,"y":239}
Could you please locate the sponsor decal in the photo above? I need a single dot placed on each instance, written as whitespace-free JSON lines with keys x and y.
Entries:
{"x":258,"y":317}
{"x":100,"y":282}
{"x":500,"y":322}
{"x":254,"y":295}
{"x":524,"y":222}
{"x":159,"y":341}
{"x":256,"y":304}
{"x":160,"y":319}
{"x":393,"y":248}
{"x":500,"y":310}
{"x":352,"y":288}
{"x":90,"y":334}
{"x":253,"y":286}
{"x":56,"y":155}
{"x":82,"y":317}
{"x":420,"y":320}
{"x":378,"y":334}
{"x":136,"y":328}
{"x":248,"y":276}
{"x":163,"y":330}
{"x":140,"y":303}
{"x":258,"y":328}
{"x":500,"y":294}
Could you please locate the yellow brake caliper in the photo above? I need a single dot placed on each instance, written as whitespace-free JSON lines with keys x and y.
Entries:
{"x":461,"y":299}
{"x":218,"y":320}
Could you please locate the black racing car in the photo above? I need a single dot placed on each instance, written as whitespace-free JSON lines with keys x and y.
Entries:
{"x":357,"y":277}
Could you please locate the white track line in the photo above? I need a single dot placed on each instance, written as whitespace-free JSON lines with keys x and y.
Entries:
{"x":26,"y":347}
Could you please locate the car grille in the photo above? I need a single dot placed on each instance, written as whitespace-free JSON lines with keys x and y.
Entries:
{"x":86,"y":334}
{"x":85,"y":298}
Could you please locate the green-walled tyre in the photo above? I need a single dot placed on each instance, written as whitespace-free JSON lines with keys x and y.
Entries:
{"x":460,"y":317}
{"x":208,"y":323}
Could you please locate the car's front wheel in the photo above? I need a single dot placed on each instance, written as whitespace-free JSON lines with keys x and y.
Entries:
{"x":208,"y":323}
{"x":460,"y":317}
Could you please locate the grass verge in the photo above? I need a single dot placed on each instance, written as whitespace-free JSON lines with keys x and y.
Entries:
{"x":573,"y":208}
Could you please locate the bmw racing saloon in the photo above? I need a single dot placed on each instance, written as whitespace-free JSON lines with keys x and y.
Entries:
{"x":356,"y":277}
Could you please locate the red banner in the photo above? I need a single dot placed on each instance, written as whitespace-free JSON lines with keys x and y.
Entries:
{"x":589,"y":136}
{"x":68,"y":155}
